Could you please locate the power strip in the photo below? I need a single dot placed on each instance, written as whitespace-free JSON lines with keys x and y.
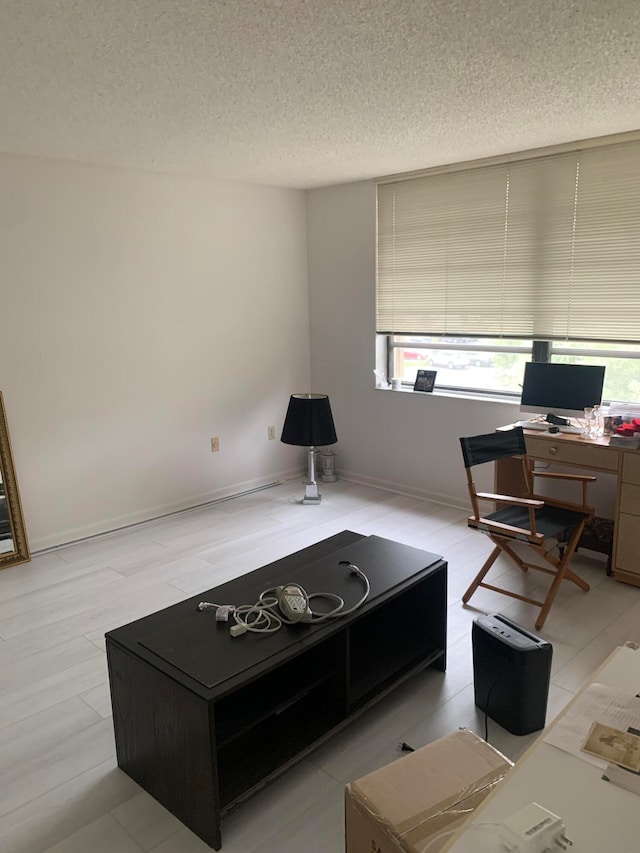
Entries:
{"x":293,"y":602}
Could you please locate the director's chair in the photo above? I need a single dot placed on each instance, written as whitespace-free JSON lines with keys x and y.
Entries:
{"x":532,"y":519}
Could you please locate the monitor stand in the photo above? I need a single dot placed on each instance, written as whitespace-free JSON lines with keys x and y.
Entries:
{"x":556,"y":420}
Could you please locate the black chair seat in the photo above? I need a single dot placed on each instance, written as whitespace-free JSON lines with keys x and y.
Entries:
{"x":552,"y":522}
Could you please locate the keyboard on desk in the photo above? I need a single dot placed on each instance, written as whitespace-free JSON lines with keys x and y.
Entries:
{"x":544,"y":426}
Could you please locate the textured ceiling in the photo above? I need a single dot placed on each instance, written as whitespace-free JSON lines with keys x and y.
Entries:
{"x":306,"y":93}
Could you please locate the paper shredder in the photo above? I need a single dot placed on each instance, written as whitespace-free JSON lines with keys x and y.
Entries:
{"x":511,"y":673}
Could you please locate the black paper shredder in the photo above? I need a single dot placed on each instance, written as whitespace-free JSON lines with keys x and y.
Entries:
{"x":511,"y":673}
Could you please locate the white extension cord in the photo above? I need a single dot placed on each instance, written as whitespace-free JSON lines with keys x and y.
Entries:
{"x":270,"y":612}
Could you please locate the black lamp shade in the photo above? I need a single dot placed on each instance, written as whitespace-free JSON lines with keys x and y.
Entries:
{"x":309,"y":422}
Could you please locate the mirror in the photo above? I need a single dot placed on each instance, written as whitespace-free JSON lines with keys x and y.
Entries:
{"x":13,"y":538}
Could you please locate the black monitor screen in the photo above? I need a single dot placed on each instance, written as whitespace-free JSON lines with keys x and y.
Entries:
{"x":564,"y":389}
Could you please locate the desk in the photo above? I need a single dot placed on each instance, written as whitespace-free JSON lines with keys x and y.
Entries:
{"x":599,"y":816}
{"x":593,"y":455}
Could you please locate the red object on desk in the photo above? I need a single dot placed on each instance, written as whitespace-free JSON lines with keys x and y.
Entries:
{"x":629,"y":429}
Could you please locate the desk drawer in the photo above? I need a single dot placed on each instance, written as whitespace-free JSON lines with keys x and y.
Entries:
{"x":573,"y":453}
{"x":631,"y":467}
{"x":630,"y":500}
{"x":628,"y":544}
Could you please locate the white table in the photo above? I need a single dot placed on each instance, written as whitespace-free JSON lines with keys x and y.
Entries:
{"x":599,"y":817}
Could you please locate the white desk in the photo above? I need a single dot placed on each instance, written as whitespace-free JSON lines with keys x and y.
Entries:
{"x":600,"y":817}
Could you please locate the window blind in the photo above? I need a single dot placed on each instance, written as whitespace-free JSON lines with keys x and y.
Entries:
{"x":545,"y":248}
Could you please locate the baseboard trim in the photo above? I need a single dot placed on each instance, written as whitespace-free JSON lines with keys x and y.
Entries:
{"x":107,"y":527}
{"x":115,"y":525}
{"x":403,"y":489}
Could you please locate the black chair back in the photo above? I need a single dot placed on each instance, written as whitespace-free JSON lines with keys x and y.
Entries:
{"x":494,"y":445}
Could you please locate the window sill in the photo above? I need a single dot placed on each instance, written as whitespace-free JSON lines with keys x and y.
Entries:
{"x":462,"y":395}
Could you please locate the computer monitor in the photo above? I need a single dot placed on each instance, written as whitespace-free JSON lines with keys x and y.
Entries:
{"x":562,"y":389}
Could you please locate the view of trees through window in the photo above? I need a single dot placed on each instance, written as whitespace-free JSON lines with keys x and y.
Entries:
{"x":488,"y":366}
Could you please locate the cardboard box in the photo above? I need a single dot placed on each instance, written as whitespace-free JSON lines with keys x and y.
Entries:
{"x":415,"y":803}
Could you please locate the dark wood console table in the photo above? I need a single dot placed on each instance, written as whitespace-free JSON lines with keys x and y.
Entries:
{"x":203,"y":720}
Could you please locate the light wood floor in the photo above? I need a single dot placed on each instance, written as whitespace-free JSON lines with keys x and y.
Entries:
{"x":60,"y":789}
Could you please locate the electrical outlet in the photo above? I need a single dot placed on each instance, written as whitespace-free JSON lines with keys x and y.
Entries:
{"x":271,"y":433}
{"x":215,"y":444}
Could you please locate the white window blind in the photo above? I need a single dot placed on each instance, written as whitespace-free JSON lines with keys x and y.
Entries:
{"x":545,"y":248}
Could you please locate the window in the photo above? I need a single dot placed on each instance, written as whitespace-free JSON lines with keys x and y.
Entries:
{"x":476,"y":262}
{"x":462,"y":364}
{"x":486,"y":366}
{"x":622,"y":375}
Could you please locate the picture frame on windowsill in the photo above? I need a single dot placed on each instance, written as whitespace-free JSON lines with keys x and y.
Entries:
{"x":425,"y":380}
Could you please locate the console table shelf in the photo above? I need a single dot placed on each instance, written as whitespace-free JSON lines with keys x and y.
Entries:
{"x":203,"y":720}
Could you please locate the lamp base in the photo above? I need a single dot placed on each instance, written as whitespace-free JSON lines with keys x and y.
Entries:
{"x":311,"y":494}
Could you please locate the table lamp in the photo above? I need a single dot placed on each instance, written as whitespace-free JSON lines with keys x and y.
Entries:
{"x":309,"y":423}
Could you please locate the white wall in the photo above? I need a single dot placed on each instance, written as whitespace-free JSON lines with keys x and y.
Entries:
{"x":142,"y":314}
{"x":400,"y":440}
{"x":139,"y":316}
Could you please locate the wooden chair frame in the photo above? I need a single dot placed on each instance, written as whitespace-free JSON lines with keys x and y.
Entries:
{"x":503,"y":535}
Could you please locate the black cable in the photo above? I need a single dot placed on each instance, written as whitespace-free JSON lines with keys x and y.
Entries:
{"x":486,"y":704}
